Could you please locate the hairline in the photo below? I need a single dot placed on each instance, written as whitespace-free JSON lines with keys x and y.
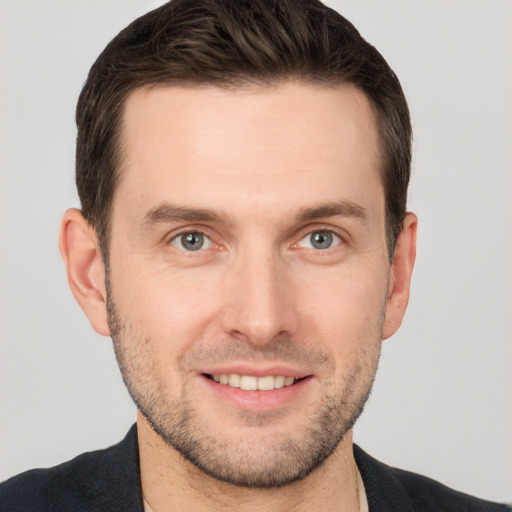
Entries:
{"x":119,"y":142}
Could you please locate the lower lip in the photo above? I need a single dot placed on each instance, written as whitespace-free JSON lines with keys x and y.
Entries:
{"x":258,"y":400}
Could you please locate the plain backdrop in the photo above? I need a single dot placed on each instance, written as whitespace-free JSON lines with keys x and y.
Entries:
{"x":441,"y":405}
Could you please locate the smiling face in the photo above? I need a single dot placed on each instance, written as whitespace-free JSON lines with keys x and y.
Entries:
{"x":249,"y":277}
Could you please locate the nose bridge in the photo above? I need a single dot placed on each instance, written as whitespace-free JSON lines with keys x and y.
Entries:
{"x":259,"y":303}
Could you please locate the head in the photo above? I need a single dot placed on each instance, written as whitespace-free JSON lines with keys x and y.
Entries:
{"x":243,"y":168}
{"x":234,"y":44}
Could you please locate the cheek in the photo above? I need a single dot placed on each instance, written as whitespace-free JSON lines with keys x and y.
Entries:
{"x":345,"y":309}
{"x":344,"y":290}
{"x":170,"y":309}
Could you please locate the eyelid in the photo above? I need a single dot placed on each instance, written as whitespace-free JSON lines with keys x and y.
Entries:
{"x":186,"y":231}
{"x":309,"y":230}
{"x":304,"y":232}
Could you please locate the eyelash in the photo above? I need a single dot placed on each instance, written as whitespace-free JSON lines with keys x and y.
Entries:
{"x":180,"y":236}
{"x":335,"y":238}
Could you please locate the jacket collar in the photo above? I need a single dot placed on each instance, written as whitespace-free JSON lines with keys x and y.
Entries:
{"x":115,"y":483}
{"x":384,"y":492}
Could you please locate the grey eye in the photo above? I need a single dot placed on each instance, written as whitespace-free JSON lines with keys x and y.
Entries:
{"x":320,"y":240}
{"x":192,"y":241}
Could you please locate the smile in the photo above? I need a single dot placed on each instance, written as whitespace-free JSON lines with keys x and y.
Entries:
{"x":251,"y":383}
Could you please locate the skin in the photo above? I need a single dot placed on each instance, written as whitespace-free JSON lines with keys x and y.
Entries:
{"x":257,"y":299}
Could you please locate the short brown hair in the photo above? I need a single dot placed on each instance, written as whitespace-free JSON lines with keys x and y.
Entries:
{"x":230,"y":43}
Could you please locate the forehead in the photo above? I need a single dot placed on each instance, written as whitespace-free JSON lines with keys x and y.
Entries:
{"x":221,"y":148}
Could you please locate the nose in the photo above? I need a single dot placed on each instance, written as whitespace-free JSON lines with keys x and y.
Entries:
{"x":259,"y":300}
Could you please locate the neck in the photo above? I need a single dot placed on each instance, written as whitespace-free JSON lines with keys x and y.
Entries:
{"x":171,"y":483}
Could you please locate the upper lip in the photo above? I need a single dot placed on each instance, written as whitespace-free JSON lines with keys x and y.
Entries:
{"x":256,"y":371}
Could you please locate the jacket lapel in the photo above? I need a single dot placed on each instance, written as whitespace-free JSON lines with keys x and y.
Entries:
{"x":114,"y":483}
{"x":384,"y":492}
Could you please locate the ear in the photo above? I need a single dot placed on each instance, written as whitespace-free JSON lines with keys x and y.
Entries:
{"x":400,"y":279}
{"x":80,"y":251}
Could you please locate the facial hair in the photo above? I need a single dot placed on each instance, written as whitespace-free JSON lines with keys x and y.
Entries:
{"x":266,"y":457}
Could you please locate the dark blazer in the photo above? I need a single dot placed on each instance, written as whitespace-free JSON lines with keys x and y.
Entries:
{"x":109,"y":480}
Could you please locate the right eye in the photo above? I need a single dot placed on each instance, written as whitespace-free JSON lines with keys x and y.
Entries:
{"x":321,"y":239}
{"x":191,"y":241}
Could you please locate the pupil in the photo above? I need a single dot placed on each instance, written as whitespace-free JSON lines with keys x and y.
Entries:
{"x":321,"y":240}
{"x":193,"y":241}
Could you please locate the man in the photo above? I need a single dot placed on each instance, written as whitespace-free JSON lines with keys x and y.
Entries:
{"x":244,"y":239}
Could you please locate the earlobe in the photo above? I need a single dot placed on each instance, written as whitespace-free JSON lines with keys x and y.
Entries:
{"x":80,"y":251}
{"x":400,"y":280}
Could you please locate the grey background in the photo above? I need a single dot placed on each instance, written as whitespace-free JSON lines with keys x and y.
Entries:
{"x":442,"y":400}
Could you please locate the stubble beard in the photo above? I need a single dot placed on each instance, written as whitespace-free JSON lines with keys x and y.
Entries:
{"x":258,"y":460}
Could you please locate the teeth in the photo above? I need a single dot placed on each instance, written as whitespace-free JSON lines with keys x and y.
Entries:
{"x":279,"y":382}
{"x":234,"y":380}
{"x":266,"y":383}
{"x":250,"y":383}
{"x":289,"y":381}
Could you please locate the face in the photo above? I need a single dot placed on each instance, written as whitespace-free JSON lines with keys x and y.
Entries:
{"x":249,"y":273}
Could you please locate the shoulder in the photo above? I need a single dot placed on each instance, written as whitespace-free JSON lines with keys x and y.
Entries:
{"x":429,"y":494}
{"x":56,"y":488}
{"x":87,"y":482}
{"x":389,"y":488}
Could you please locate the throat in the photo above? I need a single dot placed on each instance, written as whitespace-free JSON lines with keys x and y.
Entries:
{"x":170,"y":483}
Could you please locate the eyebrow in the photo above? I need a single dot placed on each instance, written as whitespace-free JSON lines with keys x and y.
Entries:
{"x":167,"y":212}
{"x":332,"y":209}
{"x":170,"y":213}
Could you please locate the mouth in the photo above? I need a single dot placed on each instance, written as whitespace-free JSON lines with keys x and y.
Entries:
{"x":256,"y":390}
{"x":252,"y":383}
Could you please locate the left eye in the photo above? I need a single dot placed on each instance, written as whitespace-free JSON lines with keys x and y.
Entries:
{"x":320,"y":240}
{"x":192,"y":241}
